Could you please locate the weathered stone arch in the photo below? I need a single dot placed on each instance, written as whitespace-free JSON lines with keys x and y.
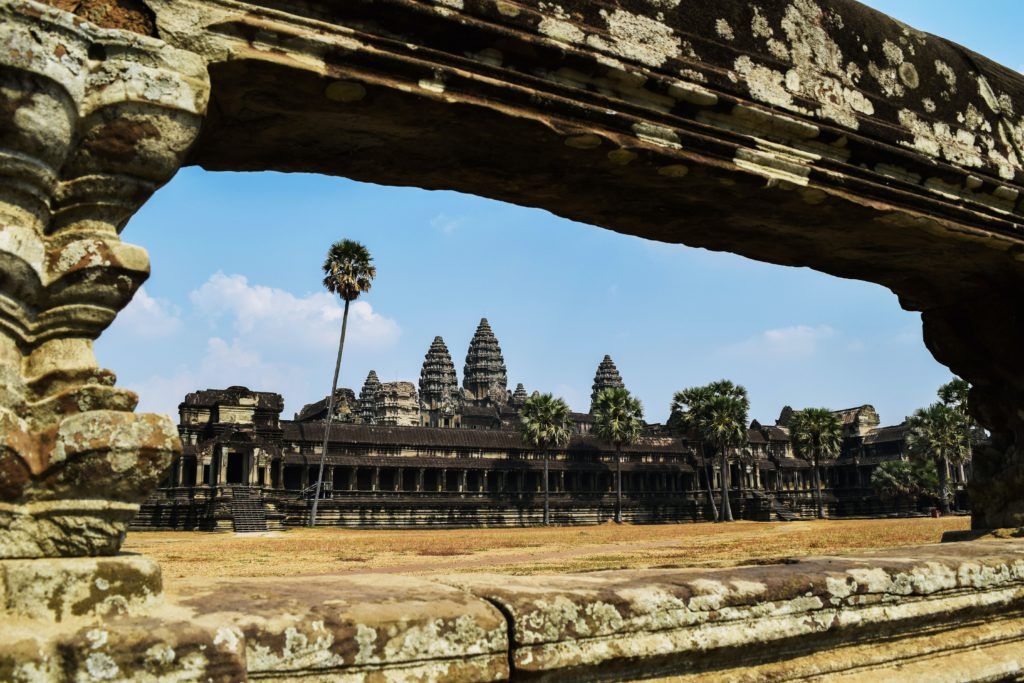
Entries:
{"x":791,"y":131}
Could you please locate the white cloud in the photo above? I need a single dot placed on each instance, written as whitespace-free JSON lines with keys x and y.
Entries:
{"x":149,"y":318}
{"x":446,"y":224}
{"x":267,"y":339}
{"x":793,"y":341}
{"x":275,"y":317}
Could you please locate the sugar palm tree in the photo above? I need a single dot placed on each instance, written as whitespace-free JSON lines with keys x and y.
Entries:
{"x":618,"y":418}
{"x":545,"y":423}
{"x":816,"y":435}
{"x":717,"y":414}
{"x":724,"y":423}
{"x":687,"y":405}
{"x":939,"y":433}
{"x":348,"y":272}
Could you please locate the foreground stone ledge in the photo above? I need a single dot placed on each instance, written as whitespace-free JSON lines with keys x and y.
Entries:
{"x":353,"y":627}
{"x":950,"y":612}
{"x":643,"y":623}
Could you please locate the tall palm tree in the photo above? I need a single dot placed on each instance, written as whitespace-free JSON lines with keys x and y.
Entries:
{"x":687,"y":405}
{"x":816,"y":435}
{"x":545,"y":423}
{"x":618,"y":418}
{"x":724,"y":423}
{"x":939,"y":433}
{"x":348,"y":272}
{"x":703,"y":411}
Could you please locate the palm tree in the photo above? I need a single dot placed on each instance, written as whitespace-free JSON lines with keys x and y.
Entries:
{"x":618,"y":418}
{"x":724,"y":424}
{"x":348,"y":272}
{"x":816,"y":435}
{"x":717,"y":413}
{"x":939,"y":433}
{"x":545,"y":423}
{"x":687,"y":404}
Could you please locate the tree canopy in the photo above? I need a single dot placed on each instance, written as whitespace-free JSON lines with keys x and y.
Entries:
{"x":545,"y":422}
{"x":618,"y":416}
{"x":348,"y":269}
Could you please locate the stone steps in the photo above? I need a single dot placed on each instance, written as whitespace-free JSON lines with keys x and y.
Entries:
{"x":248,"y":515}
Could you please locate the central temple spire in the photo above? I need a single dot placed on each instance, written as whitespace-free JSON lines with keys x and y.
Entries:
{"x":440,"y":397}
{"x":485,"y":377}
{"x":607,"y":376}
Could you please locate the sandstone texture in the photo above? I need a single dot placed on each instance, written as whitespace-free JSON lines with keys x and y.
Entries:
{"x":943,"y":612}
{"x":94,"y":121}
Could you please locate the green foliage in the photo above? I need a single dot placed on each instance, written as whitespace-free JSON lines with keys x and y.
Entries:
{"x":348,"y":269}
{"x":715,"y":413}
{"x":954,"y":394}
{"x":900,"y":478}
{"x":545,"y":422}
{"x":618,"y":417}
{"x":940,"y":433}
{"x":816,"y":434}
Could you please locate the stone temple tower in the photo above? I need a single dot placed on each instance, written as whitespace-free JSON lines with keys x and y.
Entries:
{"x":607,"y":376}
{"x":518,"y":396}
{"x":368,"y":399}
{"x":485,"y":377}
{"x":440,"y":397}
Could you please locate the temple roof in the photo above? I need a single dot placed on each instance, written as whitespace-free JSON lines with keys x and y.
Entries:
{"x":208,"y":398}
{"x":483,"y":439}
{"x":886,"y":434}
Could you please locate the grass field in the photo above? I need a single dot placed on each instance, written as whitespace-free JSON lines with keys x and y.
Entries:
{"x":523,"y":551}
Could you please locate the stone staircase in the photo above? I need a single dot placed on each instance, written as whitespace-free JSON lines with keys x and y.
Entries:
{"x":248,"y":514}
{"x":782,"y":512}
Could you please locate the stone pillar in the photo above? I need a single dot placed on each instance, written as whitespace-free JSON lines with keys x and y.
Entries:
{"x":421,"y":474}
{"x":94,"y":122}
{"x":399,"y":478}
{"x":375,"y":479}
{"x":484,"y":480}
{"x":462,"y":480}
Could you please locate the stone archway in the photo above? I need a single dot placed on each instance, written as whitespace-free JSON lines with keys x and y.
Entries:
{"x":797,"y":132}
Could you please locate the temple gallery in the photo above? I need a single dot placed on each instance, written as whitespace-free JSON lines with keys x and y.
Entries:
{"x":449,"y":454}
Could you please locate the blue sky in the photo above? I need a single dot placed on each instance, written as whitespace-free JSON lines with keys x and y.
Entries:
{"x":235,"y":295}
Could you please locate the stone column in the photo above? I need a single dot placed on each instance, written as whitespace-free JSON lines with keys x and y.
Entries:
{"x":462,"y":480}
{"x":375,"y":479}
{"x":94,"y":121}
{"x":420,"y":476}
{"x":399,"y":478}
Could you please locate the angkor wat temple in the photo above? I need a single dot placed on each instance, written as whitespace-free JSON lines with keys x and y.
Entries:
{"x":445,"y":455}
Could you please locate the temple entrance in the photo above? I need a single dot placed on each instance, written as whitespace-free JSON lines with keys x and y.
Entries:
{"x":235,"y":473}
{"x":188,"y":471}
{"x":293,"y":477}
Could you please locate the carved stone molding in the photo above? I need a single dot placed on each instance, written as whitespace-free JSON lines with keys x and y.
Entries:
{"x":92,"y":122}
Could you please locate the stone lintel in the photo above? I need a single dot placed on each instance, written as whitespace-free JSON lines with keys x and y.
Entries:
{"x":955,"y":611}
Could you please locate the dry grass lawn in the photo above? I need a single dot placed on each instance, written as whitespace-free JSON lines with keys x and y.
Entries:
{"x":523,"y":551}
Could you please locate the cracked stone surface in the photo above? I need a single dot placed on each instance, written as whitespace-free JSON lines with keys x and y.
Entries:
{"x":944,"y":612}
